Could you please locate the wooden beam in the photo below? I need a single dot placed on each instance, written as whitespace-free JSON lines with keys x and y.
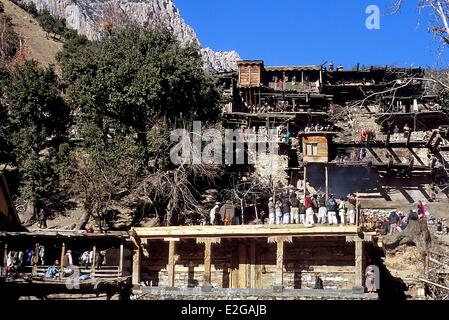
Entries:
{"x":171,"y":263}
{"x":243,"y":231}
{"x":280,"y":239}
{"x":208,"y":240}
{"x":434,"y":284}
{"x":62,"y":260}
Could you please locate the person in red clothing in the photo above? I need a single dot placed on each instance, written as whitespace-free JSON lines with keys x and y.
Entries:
{"x":308,"y":201}
{"x":309,"y":210}
{"x":421,"y":209}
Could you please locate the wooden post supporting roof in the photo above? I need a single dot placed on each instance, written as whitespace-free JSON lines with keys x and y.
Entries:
{"x":358,"y":269}
{"x":326,"y":169}
{"x":208,"y":256}
{"x":137,"y":256}
{"x":409,"y":137}
{"x":243,"y":265}
{"x":62,"y":260}
{"x":279,"y":277}
{"x":253,"y":273}
{"x":305,"y":179}
{"x":171,"y":261}
{"x":121,"y":259}
{"x":94,"y":261}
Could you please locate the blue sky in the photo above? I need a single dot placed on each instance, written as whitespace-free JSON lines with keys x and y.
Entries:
{"x":302,"y":32}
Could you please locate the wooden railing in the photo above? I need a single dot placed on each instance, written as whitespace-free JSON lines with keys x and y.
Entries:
{"x":298,"y":86}
{"x":104,"y":272}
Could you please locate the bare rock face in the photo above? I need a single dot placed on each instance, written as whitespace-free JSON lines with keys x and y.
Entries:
{"x":220,"y":61}
{"x":92,"y":17}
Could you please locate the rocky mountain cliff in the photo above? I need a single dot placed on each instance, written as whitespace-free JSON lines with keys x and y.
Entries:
{"x":91,"y":17}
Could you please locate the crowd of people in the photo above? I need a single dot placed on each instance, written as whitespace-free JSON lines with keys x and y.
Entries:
{"x":291,"y":208}
{"x":18,"y":261}
{"x":389,"y":222}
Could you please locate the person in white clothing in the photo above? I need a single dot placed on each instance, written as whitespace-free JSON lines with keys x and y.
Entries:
{"x":309,"y":217}
{"x":213,"y":213}
{"x":332,"y":210}
{"x":342,"y":211}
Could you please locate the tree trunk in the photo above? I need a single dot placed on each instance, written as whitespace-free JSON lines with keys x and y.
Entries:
{"x":416,"y":234}
{"x":242,"y":212}
{"x":83,"y":222}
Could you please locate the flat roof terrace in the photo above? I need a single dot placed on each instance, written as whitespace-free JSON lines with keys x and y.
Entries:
{"x":244,"y":231}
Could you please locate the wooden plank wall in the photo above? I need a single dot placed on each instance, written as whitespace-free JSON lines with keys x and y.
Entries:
{"x":249,"y":263}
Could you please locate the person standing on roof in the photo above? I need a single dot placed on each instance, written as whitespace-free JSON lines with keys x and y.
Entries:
{"x":322,"y":210}
{"x":285,"y":209}
{"x":332,"y":210}
{"x":214,"y":212}
{"x":294,"y":214}
{"x":278,"y":212}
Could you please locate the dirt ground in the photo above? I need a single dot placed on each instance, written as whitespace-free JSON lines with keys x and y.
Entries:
{"x":42,"y":49}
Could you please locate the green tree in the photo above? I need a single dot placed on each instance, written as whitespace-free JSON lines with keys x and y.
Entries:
{"x":130,"y":89}
{"x":129,"y":80}
{"x":47,"y":22}
{"x":39,"y":120}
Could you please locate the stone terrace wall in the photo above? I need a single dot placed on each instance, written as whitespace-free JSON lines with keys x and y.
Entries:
{"x":247,"y":294}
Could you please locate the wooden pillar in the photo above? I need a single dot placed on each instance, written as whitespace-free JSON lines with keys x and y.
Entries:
{"x":305,"y":178}
{"x":34,"y":265}
{"x":121,"y":259}
{"x":5,"y":255}
{"x":253,"y":274}
{"x":137,"y":256}
{"x":207,"y":262}
{"x":171,"y":261}
{"x":62,"y":260}
{"x":409,"y":138}
{"x":326,"y":170}
{"x":208,"y":256}
{"x":279,"y":277}
{"x":358,"y":282}
{"x":94,"y":261}
{"x":358,"y":268}
{"x":243,"y":265}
